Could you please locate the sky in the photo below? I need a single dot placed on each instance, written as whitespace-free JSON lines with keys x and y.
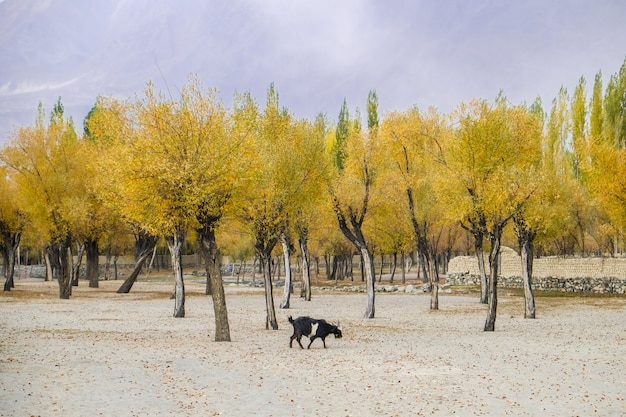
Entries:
{"x":317,"y":53}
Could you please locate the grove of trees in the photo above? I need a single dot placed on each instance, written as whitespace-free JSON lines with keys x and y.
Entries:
{"x":191,"y":171}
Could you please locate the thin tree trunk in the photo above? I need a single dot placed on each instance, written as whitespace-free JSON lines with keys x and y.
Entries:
{"x":424,"y":267}
{"x":266,"y":261}
{"x":306,"y":273}
{"x":60,"y":254}
{"x":527,"y":273}
{"x":368,"y":263}
{"x":214,"y":274}
{"x":286,"y":243}
{"x":132,"y":278}
{"x":10,"y":254}
{"x":144,"y":247}
{"x":107,"y":263}
{"x":525,"y":238}
{"x":494,"y":254}
{"x":484,"y":290}
{"x":49,"y":266}
{"x":92,"y":272}
{"x":79,"y":263}
{"x":393,"y":267}
{"x":175,"y":243}
{"x":115,"y":258}
{"x":434,"y":283}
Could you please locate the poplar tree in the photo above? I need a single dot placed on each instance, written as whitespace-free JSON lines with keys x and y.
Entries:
{"x":351,"y":185}
{"x":12,"y":224}
{"x":47,"y":171}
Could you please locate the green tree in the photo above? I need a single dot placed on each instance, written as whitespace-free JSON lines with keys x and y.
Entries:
{"x":579,"y":132}
{"x":596,"y":112}
{"x":615,"y":108}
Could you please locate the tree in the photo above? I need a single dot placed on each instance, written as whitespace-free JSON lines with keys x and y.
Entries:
{"x":351,"y":185}
{"x":46,"y":167}
{"x":494,"y":147}
{"x":536,"y":213}
{"x":579,"y":132}
{"x":414,"y":142}
{"x":109,"y":128}
{"x":596,"y":112}
{"x":265,"y":204}
{"x":615,"y":108}
{"x":173,"y":169}
{"x":308,"y":172}
{"x":12,"y":223}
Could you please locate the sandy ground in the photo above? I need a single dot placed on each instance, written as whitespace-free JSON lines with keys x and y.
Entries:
{"x":103,"y":353}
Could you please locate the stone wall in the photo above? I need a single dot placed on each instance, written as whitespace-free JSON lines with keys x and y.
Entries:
{"x":598,"y":275}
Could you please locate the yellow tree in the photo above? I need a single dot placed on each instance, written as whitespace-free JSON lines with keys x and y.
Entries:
{"x":414,"y":141}
{"x":176,"y":175}
{"x":264,"y":205}
{"x":607,"y":169}
{"x":12,"y":223}
{"x":352,"y":182}
{"x":607,"y":180}
{"x":539,"y":201}
{"x":494,"y":147}
{"x":110,"y":128}
{"x":305,"y":163}
{"x":47,"y":173}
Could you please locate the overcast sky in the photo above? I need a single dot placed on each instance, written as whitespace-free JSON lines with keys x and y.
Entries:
{"x":412,"y":52}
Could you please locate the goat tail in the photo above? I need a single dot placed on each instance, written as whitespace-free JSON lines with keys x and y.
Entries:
{"x":290,"y":319}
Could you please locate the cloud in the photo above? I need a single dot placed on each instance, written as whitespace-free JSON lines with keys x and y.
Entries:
{"x":28,"y":87}
{"x":413,"y":52}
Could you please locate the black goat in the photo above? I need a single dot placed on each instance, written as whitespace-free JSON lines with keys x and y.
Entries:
{"x":312,"y":328}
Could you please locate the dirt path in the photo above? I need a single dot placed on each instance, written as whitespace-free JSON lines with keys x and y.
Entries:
{"x":103,"y":353}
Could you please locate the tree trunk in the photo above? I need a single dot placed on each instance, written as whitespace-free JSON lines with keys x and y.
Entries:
{"x":286,"y":242}
{"x":5,"y":261}
{"x":494,"y":253}
{"x":11,"y":243}
{"x":144,"y":247}
{"x":60,"y":254}
{"x":382,"y":264}
{"x":115,"y":258}
{"x":434,"y":283}
{"x":79,"y":263}
{"x":306,"y":273}
{"x":423,"y":266}
{"x":526,"y":253}
{"x":214,"y":275}
{"x":403,"y":260}
{"x":333,"y":272}
{"x":92,"y":272}
{"x":128,"y":282}
{"x":175,"y":243}
{"x":480,"y":256}
{"x":107,"y":262}
{"x":393,"y":266}
{"x":368,"y":264}
{"x":266,"y":262}
{"x":49,"y":266}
